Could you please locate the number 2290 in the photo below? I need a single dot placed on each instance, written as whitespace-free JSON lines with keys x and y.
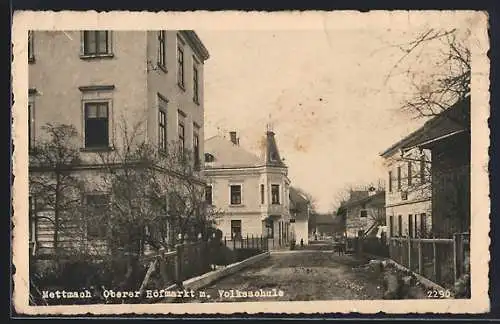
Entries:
{"x":439,"y":293}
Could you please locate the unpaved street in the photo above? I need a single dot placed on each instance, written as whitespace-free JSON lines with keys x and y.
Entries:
{"x":300,"y":276}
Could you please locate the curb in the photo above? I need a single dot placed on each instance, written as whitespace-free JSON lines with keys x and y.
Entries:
{"x":424,"y":281}
{"x":209,"y":277}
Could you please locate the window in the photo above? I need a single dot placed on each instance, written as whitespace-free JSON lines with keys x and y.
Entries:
{"x":162,"y":130}
{"x":391,"y":226}
{"x":399,"y":178}
{"x":275,"y":194}
{"x":409,"y":173}
{"x":422,"y":169}
{"x":415,"y":222}
{"x":410,"y":225}
{"x":96,"y":42}
{"x":262,"y":194}
{"x":180,"y":66}
{"x":31,"y":53}
{"x":161,"y":60}
{"x":196,"y":93}
{"x":208,"y":194}
{"x":96,"y":125}
{"x":235,"y":194}
{"x":363,"y":213}
{"x":182,"y":134}
{"x":236,"y":229}
{"x":390,"y":181}
{"x":400,"y":226}
{"x":31,"y":126}
{"x":97,"y":208}
{"x":423,"y":224}
{"x":196,"y":148}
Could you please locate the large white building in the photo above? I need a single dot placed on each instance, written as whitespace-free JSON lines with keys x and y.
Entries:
{"x":251,"y":191}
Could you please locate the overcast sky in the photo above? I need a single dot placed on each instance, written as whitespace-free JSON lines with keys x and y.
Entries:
{"x":325,"y":93}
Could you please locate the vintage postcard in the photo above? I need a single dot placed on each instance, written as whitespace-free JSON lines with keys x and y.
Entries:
{"x":250,"y":162}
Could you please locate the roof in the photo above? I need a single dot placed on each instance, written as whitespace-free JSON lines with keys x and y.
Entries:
{"x":450,"y":122}
{"x":297,"y":197}
{"x":355,"y":201}
{"x":196,"y":44}
{"x":229,"y":155}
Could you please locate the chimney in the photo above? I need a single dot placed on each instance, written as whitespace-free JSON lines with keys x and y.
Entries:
{"x":234,"y":140}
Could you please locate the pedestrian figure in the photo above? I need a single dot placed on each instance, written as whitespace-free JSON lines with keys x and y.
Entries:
{"x":301,"y":242}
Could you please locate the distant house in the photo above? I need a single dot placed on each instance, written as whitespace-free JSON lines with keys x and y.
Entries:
{"x":324,"y":225}
{"x":364,"y":212}
{"x":299,"y":213}
{"x":251,"y":191}
{"x":443,"y":180}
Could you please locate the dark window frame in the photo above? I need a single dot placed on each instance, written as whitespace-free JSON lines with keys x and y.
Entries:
{"x":262,"y":194}
{"x":275,"y":194}
{"x":196,"y":148}
{"x":410,"y":225}
{"x":162,"y":50}
{"x":236,"y":224}
{"x":91,"y":137}
{"x":95,"y":35}
{"x":410,"y":173}
{"x":400,"y":225}
{"x":391,"y":226}
{"x":390,"y":181}
{"x":209,"y":193}
{"x":235,"y":191}
{"x":181,"y":132}
{"x":399,"y":178}
{"x":180,"y":67}
{"x":423,"y":224}
{"x":196,"y":83}
{"x":162,"y":130}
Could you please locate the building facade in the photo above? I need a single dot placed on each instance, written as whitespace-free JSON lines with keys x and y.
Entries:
{"x":364,"y":212}
{"x":409,"y":191}
{"x":105,"y":82}
{"x":299,"y":213}
{"x":447,"y":137}
{"x":252,"y":192}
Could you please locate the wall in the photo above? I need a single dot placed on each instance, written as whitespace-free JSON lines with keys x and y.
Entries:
{"x":59,"y":98}
{"x":301,"y":229}
{"x":418,"y":193}
{"x":165,"y":82}
{"x":451,"y":186}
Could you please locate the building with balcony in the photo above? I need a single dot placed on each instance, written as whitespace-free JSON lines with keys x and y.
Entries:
{"x":103,"y":82}
{"x":251,"y":191}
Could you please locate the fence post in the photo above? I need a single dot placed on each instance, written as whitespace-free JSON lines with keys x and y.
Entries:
{"x":434,"y":261}
{"x":420,"y":261}
{"x":455,"y":255}
{"x":225,"y":241}
{"x":178,"y":263}
{"x":247,"y":240}
{"x":252,"y":242}
{"x":409,"y":252}
{"x":234,"y":242}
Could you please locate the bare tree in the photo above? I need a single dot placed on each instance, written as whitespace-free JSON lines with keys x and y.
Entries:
{"x":156,"y":198}
{"x":445,"y":81}
{"x":54,"y":187}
